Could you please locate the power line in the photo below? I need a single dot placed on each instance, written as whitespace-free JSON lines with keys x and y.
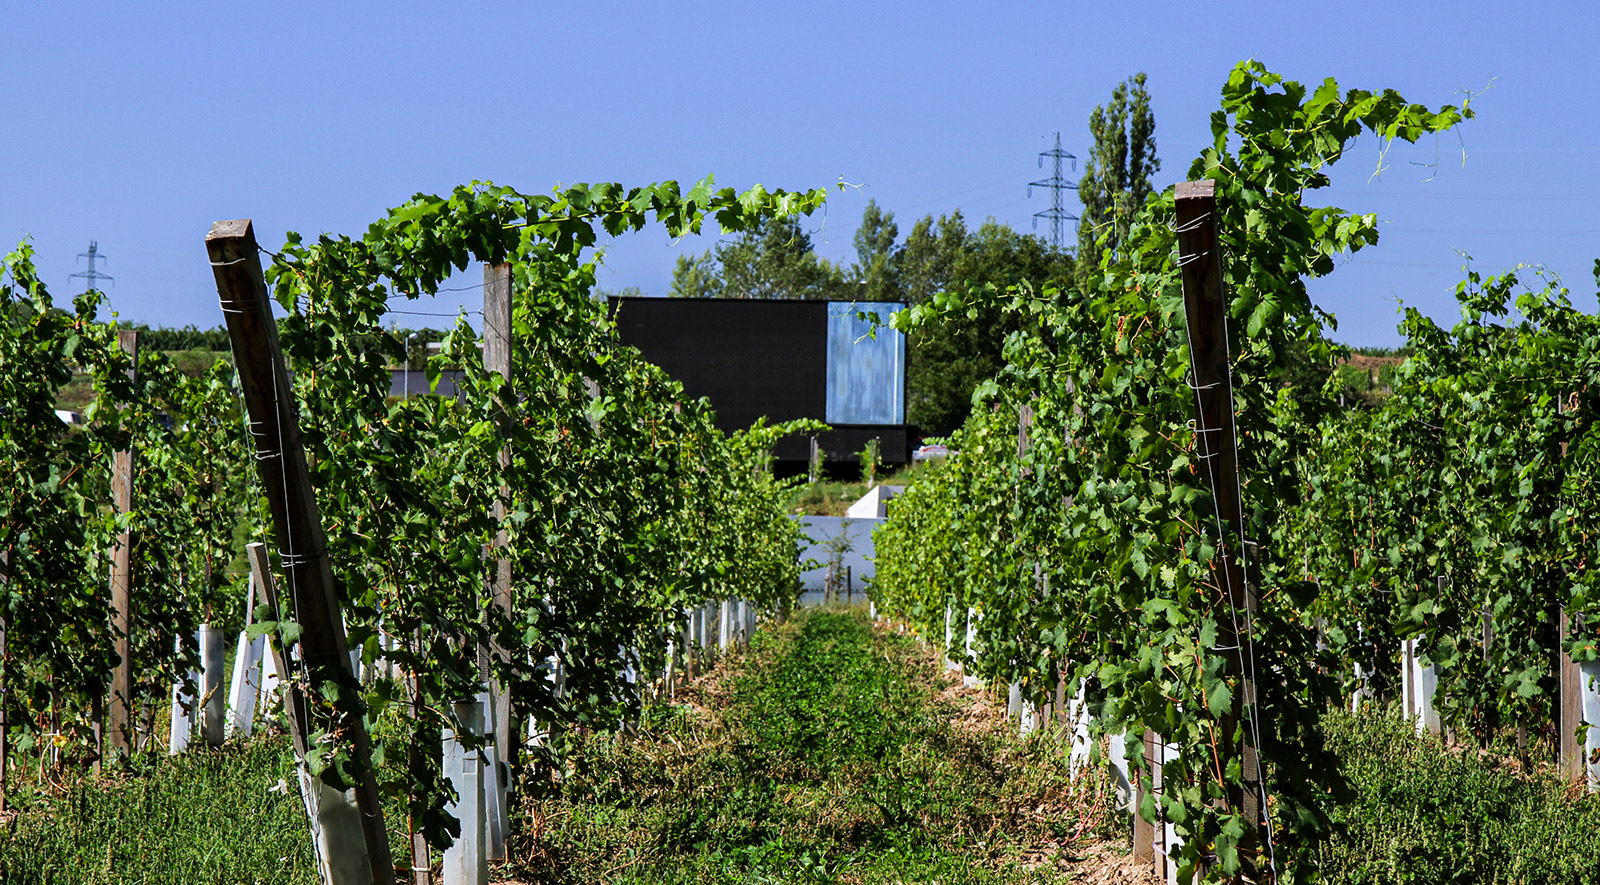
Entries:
{"x":426,"y":313}
{"x":92,"y":275}
{"x":1055,"y":214}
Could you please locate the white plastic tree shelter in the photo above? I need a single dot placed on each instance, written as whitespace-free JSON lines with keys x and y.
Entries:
{"x":669,"y":670}
{"x":968,"y":680}
{"x":1165,"y":843}
{"x":213,"y":694}
{"x":206,"y":710}
{"x":1082,"y":743}
{"x":245,"y":685}
{"x":466,"y":861}
{"x":1419,"y":682}
{"x":1359,"y":695}
{"x":336,"y":826}
{"x":333,"y":813}
{"x":725,"y":625}
{"x":496,"y":826}
{"x":539,"y":734}
{"x":182,"y":702}
{"x":1120,"y":772}
{"x":949,"y":635}
{"x":1589,"y":684}
{"x":268,"y":702}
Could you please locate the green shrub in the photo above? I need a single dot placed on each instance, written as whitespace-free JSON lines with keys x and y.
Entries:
{"x":1424,"y":813}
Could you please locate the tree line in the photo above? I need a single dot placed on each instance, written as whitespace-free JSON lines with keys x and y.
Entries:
{"x":947,"y":361}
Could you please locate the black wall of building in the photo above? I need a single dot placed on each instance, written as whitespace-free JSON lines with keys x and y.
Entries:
{"x":751,"y":359}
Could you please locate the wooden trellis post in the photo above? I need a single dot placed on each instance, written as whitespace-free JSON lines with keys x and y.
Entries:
{"x":1206,"y":311}
{"x":1578,"y":702}
{"x":120,"y":708}
{"x":5,"y":723}
{"x":497,"y":358}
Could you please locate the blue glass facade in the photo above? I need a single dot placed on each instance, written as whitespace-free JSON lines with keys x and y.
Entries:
{"x":866,"y":373}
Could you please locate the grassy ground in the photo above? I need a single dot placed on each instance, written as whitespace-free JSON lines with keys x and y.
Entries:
{"x":217,"y":816}
{"x":826,"y":498}
{"x":829,"y":754}
{"x":832,"y":496}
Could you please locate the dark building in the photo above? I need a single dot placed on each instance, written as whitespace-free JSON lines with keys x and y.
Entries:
{"x":782,"y":360}
{"x":414,"y":382}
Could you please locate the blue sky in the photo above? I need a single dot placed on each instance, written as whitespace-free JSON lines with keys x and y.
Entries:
{"x":137,"y":125}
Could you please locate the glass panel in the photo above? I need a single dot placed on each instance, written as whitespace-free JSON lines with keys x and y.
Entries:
{"x":866,"y":375}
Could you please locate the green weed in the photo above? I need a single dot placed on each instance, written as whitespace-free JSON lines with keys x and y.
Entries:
{"x":1423,"y":814}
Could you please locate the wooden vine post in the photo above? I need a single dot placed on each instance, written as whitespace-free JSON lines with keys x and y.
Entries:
{"x":354,"y":850}
{"x":497,"y":359}
{"x":1206,"y":310}
{"x":120,"y":708}
{"x":5,"y":723}
{"x":294,"y":706}
{"x":1570,"y":756}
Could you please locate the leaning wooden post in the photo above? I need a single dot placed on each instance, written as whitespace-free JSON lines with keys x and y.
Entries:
{"x":120,"y":708}
{"x":1206,"y":310}
{"x":497,"y":359}
{"x":357,"y":851}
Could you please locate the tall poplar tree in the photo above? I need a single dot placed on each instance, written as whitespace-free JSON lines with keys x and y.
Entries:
{"x":1116,"y":175}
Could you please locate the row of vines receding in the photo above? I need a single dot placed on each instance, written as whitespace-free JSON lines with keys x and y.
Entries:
{"x":1073,"y":527}
{"x":617,"y":501}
